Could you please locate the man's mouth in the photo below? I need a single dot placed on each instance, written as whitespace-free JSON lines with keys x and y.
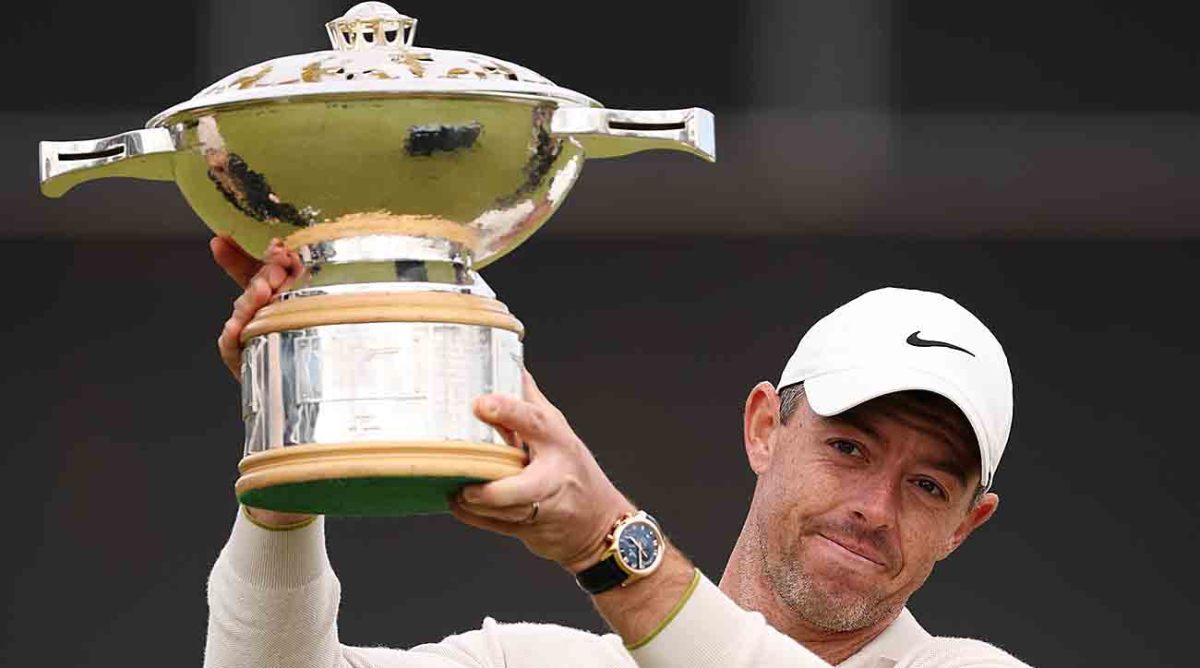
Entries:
{"x":862,"y":552}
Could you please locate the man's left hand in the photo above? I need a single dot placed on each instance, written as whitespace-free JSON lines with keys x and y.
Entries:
{"x":577,"y":504}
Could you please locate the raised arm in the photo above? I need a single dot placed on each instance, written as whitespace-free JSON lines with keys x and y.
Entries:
{"x":273,"y":599}
{"x":674,"y":618}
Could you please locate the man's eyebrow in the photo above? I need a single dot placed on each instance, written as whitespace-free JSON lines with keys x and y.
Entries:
{"x":849,"y":419}
{"x":952,"y":467}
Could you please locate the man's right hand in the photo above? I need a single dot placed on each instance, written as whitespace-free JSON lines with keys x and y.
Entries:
{"x":260,"y":280}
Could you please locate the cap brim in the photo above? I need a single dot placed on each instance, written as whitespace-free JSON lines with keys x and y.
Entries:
{"x":835,"y":392}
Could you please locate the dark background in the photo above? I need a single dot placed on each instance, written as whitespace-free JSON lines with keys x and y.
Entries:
{"x":1035,"y":161}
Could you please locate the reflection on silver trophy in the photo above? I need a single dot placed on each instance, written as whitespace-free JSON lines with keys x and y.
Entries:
{"x":395,"y":172}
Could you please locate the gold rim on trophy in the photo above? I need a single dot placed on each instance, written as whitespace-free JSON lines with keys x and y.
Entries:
{"x":329,"y":461}
{"x":320,"y":310}
{"x":384,"y":223}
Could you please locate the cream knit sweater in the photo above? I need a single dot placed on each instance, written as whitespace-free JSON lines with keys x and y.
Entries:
{"x":273,"y":602}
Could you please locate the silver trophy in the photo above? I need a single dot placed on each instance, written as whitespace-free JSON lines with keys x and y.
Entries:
{"x":395,"y":172}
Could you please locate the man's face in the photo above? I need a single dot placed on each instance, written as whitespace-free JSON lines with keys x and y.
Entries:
{"x":853,"y":511}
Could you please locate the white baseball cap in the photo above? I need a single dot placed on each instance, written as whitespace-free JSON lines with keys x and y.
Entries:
{"x":892,"y":340}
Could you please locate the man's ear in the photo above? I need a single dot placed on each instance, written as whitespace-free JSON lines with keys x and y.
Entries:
{"x":981,"y":512}
{"x":759,"y":423}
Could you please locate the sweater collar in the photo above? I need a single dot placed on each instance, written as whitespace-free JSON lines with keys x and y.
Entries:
{"x":885,"y":650}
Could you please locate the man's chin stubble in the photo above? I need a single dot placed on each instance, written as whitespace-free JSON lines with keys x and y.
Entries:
{"x":813,"y":601}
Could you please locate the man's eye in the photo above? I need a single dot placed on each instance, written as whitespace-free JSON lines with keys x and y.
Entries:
{"x":931,"y":487}
{"x":847,"y":448}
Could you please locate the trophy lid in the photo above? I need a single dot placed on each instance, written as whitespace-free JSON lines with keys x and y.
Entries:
{"x":373,"y":53}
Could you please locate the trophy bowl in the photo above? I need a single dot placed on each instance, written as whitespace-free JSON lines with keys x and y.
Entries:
{"x":395,"y":173}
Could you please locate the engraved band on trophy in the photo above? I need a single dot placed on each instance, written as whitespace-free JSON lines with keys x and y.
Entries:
{"x":395,"y":172}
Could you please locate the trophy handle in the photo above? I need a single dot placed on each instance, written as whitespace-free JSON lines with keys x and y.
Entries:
{"x":609,"y":133}
{"x":141,"y":154}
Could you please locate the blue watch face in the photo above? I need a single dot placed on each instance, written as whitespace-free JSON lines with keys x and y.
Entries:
{"x":638,"y":546}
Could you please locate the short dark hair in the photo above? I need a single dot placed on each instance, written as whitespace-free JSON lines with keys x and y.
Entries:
{"x":791,"y":395}
{"x":789,"y":401}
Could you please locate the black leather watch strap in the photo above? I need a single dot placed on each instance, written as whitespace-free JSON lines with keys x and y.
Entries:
{"x":603,"y":576}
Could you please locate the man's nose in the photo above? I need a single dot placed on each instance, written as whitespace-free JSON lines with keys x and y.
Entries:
{"x":877,"y":502}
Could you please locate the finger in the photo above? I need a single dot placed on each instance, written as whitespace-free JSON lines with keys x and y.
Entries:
{"x":229,"y":346}
{"x":512,"y":514}
{"x":275,"y":276}
{"x":485,"y":523}
{"x":256,"y":295}
{"x":523,"y":417}
{"x":237,"y":263}
{"x":530,"y":389}
{"x":288,"y":260}
{"x":512,"y":438}
{"x":244,"y":308}
{"x":536,"y":482}
{"x":294,"y":264}
{"x":279,"y":253}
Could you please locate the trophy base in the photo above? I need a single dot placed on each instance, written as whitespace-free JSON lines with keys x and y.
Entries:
{"x":370,"y":479}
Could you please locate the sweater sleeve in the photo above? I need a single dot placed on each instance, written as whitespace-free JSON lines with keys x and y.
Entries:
{"x":273,"y":602}
{"x":711,"y":631}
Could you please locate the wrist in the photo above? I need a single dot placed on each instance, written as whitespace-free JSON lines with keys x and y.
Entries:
{"x":640,"y":611}
{"x":635,"y":549}
{"x":274,"y":520}
{"x":598,"y":544}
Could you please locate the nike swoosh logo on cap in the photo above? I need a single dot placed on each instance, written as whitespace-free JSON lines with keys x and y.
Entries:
{"x":915,"y":339}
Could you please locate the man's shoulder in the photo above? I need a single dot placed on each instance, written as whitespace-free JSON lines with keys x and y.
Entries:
{"x":951,"y":652}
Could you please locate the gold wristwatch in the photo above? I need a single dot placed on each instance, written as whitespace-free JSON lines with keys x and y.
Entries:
{"x":635,"y":550}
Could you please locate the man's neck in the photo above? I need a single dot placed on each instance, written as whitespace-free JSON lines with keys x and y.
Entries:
{"x":745,"y":583}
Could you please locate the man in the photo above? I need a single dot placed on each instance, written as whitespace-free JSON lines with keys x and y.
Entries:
{"x":874,"y":460}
